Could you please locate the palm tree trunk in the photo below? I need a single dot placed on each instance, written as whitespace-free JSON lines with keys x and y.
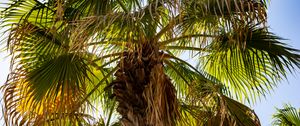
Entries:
{"x":144,"y":92}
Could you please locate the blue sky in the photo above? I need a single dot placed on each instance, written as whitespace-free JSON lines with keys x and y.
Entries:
{"x":284,"y":20}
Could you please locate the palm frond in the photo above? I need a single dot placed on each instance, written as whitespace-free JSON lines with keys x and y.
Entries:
{"x":252,"y":65}
{"x":46,"y":73}
{"x":209,"y":106}
{"x":203,"y":101}
{"x":75,"y":62}
{"x":287,"y":116}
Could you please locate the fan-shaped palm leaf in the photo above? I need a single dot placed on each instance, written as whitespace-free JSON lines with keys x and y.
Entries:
{"x":287,"y":116}
{"x":73,"y":60}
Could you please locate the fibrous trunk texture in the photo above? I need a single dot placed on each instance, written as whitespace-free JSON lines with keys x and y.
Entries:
{"x":144,"y":92}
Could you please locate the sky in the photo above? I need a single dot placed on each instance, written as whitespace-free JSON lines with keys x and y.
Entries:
{"x":284,"y":21}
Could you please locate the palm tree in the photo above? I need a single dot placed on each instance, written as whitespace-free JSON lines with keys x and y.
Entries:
{"x":94,"y":62}
{"x":288,"y":116}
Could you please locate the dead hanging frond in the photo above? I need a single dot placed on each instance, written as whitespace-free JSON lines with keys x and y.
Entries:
{"x":241,"y":10}
{"x":60,"y":9}
{"x":161,"y":99}
{"x":234,"y":9}
{"x":58,"y":45}
{"x":145,"y":94}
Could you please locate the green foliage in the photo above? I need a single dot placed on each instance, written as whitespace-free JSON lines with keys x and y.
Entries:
{"x":287,"y":116}
{"x":251,"y":64}
{"x":65,"y":53}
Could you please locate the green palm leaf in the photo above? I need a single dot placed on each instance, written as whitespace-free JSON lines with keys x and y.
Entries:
{"x":287,"y":116}
{"x":249,"y":65}
{"x":78,"y":62}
